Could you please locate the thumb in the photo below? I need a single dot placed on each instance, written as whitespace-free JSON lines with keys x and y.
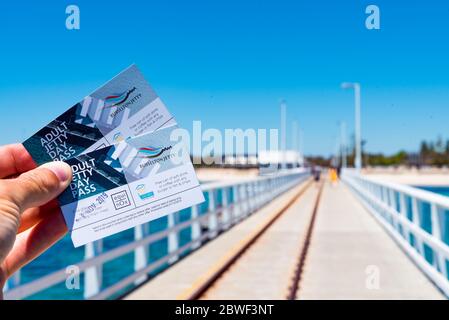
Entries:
{"x":37,"y":187}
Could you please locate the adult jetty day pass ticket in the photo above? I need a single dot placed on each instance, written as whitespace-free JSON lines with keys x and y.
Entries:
{"x":126,"y":170}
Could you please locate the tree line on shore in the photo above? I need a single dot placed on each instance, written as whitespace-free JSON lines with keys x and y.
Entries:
{"x":431,"y":153}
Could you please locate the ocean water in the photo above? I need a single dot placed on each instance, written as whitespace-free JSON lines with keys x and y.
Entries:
{"x":63,"y":254}
{"x":440,"y":190}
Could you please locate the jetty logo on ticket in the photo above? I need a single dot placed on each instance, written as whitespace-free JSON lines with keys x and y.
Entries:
{"x":115,"y":188}
{"x":118,"y":99}
{"x":121,"y":101}
{"x":124,"y":107}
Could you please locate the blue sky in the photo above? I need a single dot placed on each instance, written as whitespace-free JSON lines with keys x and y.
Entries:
{"x":228,"y":63}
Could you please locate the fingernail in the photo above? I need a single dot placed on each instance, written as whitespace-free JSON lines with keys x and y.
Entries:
{"x":61,"y":169}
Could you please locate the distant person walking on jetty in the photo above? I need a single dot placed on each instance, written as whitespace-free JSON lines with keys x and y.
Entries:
{"x":333,"y":176}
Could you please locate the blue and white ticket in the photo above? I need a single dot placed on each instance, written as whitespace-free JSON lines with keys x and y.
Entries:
{"x":124,"y":185}
{"x":126,"y":170}
{"x":124,"y":107}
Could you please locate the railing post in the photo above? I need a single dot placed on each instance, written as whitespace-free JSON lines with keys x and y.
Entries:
{"x":236,"y":205}
{"x":93,"y":276}
{"x":384,"y":199}
{"x":285,"y":183}
{"x":251,"y":198}
{"x":440,"y":259}
{"x":273,"y":186}
{"x":393,"y":206}
{"x":403,"y":213}
{"x":225,"y":218}
{"x":268,"y":189}
{"x":258,"y":194}
{"x":263,"y":192}
{"x":212,"y":222}
{"x":278,"y":185}
{"x":196,"y":227}
{"x":263,"y":189}
{"x":417,"y":222}
{"x":243,"y":200}
{"x":281,"y":185}
{"x":172,"y":237}
{"x":140,"y":253}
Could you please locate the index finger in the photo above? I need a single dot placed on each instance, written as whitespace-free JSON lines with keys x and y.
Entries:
{"x":15,"y":159}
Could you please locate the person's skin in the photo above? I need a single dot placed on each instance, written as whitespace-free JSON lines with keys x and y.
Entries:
{"x":30,"y":218}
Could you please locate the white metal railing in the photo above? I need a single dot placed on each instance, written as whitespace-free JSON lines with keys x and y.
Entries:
{"x":248,"y":195}
{"x":417,"y":219}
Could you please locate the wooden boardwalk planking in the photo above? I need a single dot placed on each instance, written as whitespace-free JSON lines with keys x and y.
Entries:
{"x":265,"y":271}
{"x":348,"y":247}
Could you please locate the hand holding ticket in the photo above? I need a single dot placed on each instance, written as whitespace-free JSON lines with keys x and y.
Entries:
{"x":126,"y":170}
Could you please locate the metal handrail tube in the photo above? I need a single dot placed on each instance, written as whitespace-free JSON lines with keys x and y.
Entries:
{"x":420,"y":194}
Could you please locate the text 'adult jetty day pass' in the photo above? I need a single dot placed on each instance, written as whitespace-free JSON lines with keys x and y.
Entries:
{"x":124,"y":107}
{"x":127,"y":184}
